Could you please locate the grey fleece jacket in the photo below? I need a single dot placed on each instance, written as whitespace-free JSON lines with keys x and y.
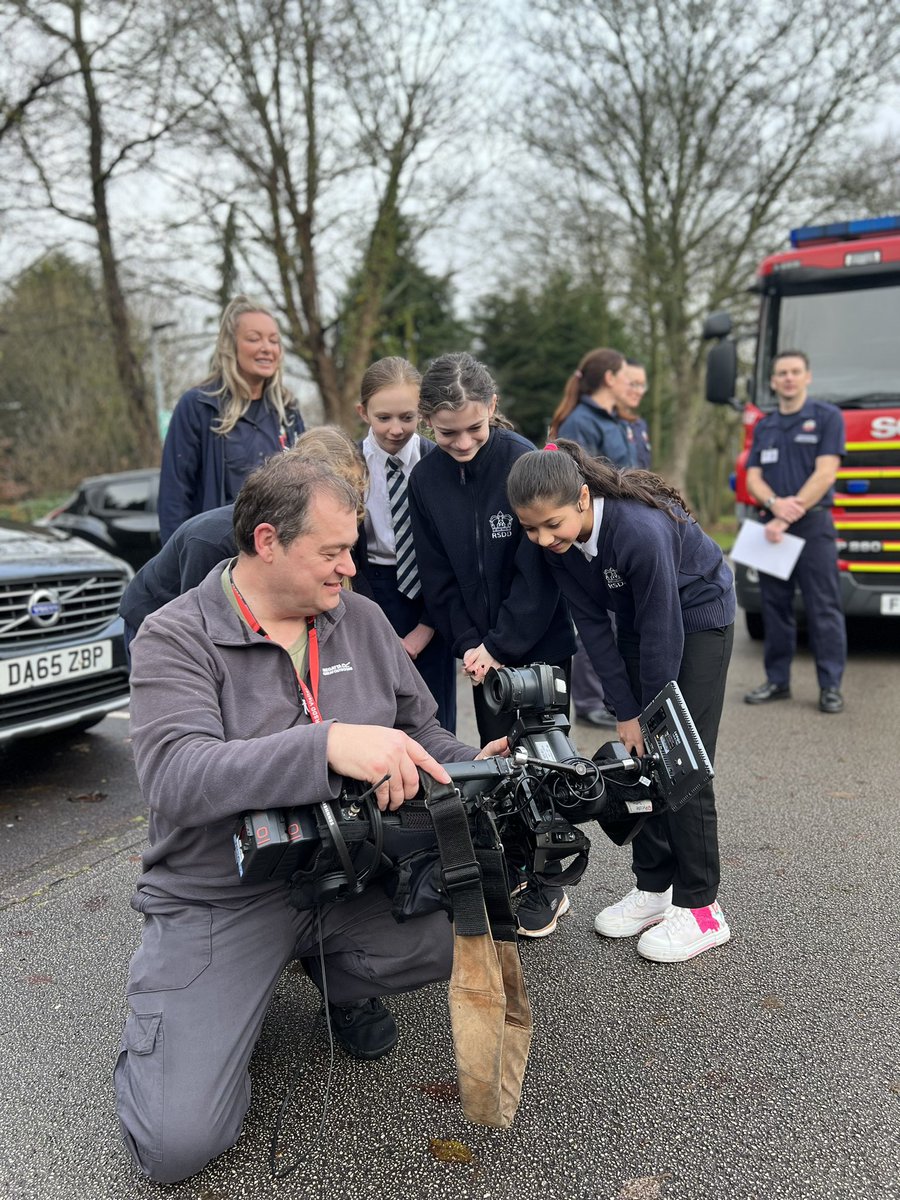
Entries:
{"x":218,"y":728}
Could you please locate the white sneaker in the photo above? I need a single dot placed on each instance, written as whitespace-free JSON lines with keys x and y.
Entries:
{"x":633,"y":913}
{"x":684,"y":933}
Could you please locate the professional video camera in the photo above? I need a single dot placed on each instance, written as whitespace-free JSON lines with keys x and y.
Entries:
{"x":534,"y":799}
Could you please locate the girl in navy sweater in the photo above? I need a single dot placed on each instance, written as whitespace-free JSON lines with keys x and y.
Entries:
{"x":624,"y":542}
{"x":481,"y":579}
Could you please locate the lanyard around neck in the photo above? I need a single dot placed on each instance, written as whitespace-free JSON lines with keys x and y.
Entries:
{"x":310,"y":700}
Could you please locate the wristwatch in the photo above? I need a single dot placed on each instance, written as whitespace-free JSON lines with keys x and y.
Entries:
{"x":767,"y":504}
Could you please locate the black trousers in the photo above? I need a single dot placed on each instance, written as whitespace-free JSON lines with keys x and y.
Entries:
{"x":682,"y":848}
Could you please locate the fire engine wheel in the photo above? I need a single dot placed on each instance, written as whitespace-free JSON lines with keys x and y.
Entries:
{"x":755,"y":625}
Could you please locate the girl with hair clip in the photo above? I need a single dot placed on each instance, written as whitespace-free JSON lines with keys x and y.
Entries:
{"x":385,"y":554}
{"x":589,"y":410}
{"x":481,"y":578}
{"x":229,"y":424}
{"x":623,"y":542}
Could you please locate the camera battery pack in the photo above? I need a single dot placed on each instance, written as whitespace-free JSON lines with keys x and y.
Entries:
{"x":273,"y":843}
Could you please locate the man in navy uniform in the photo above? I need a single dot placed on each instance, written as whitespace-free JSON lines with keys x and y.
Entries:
{"x":791,"y":471}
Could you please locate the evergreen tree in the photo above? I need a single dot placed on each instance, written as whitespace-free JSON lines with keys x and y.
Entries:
{"x":533,"y":338}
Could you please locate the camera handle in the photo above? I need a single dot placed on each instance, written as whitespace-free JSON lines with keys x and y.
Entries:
{"x":580,"y":768}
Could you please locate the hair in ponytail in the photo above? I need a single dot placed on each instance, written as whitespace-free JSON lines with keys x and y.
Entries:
{"x":588,"y":377}
{"x":558,"y":476}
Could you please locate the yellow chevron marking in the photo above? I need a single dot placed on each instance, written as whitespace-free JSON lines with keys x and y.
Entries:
{"x":867,"y":524}
{"x":841,"y":501}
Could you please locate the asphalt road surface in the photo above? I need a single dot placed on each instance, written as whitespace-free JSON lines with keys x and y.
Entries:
{"x":766,"y":1070}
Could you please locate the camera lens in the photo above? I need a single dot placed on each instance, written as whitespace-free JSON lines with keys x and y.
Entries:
{"x":538,"y":688}
{"x":497,"y":690}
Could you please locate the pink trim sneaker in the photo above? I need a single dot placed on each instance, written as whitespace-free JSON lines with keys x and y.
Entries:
{"x":685,"y":933}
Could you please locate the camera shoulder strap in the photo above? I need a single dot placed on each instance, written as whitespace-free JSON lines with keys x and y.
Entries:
{"x":474,"y":877}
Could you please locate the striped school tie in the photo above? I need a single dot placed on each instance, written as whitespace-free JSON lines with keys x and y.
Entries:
{"x":407,"y":572}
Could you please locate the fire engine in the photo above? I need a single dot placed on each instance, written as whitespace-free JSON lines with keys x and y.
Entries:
{"x":836,"y":295}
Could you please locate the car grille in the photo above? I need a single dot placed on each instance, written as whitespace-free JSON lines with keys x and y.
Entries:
{"x":40,"y":703}
{"x":88,"y":604}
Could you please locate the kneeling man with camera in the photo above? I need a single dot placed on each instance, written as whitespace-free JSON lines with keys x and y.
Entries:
{"x":248,"y":693}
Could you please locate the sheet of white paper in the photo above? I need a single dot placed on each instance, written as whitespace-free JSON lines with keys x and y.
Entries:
{"x":753,"y":549}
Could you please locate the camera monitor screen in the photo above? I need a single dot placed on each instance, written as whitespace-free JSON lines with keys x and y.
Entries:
{"x":671,"y":736}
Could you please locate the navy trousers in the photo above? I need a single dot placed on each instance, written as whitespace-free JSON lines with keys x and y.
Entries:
{"x":816,"y":574}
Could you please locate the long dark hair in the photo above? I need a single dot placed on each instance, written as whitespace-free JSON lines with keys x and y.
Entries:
{"x":588,"y":377}
{"x":452,"y":381}
{"x":558,"y":476}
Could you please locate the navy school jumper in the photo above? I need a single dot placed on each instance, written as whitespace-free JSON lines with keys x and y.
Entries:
{"x":673,"y":598}
{"x":481,"y":577}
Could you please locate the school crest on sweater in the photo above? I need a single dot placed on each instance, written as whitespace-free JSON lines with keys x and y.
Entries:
{"x":613,"y":578}
{"x":501,"y":525}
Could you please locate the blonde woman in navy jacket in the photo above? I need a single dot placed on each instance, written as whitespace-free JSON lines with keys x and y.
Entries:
{"x":231,"y":423}
{"x":623,"y":542}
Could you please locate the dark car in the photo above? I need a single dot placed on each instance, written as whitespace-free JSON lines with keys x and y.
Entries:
{"x":115,"y":512}
{"x":62,"y":653}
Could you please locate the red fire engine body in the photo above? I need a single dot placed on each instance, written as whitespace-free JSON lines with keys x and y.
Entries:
{"x":836,"y":295}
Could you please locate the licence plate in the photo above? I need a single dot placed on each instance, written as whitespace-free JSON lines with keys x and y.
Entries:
{"x":54,"y":666}
{"x":890,"y":605}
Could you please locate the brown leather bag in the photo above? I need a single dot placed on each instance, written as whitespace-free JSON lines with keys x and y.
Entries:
{"x":489,"y":1010}
{"x":492,"y":1027}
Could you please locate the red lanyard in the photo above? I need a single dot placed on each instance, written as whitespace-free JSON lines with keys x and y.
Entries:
{"x":310,"y":699}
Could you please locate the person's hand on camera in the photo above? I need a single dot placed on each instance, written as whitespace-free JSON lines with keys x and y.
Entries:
{"x":369,"y":752}
{"x":496,"y":749}
{"x":477,"y":662}
{"x":630,"y":736}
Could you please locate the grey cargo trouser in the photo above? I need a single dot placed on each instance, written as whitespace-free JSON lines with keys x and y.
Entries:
{"x":198,"y":990}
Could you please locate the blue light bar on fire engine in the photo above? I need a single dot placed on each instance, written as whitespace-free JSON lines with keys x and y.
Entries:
{"x":844,"y":230}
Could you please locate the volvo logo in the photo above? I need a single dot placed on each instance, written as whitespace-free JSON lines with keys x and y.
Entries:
{"x":44,"y":608}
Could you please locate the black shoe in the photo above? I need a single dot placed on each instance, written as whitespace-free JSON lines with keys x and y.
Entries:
{"x":365,"y":1030}
{"x":601,"y":717}
{"x":516,"y":880}
{"x":831,"y":700}
{"x":767,"y":692}
{"x":540,"y":909}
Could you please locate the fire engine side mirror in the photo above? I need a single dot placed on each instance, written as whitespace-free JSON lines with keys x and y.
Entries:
{"x":716,"y":325}
{"x":721,"y":374}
